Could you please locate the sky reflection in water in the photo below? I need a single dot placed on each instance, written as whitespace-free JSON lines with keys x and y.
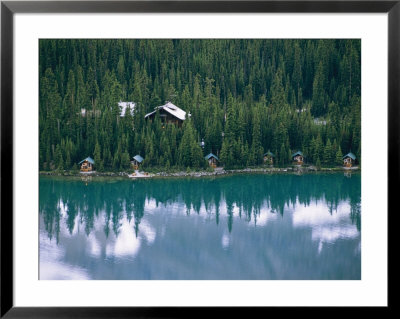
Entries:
{"x":236,"y":227}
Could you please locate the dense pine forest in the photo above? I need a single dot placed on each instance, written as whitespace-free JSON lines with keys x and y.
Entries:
{"x":245,"y":97}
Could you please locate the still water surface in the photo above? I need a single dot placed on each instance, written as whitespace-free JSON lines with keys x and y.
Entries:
{"x":232,"y":227}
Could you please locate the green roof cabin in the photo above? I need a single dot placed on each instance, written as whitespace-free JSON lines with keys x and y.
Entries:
{"x":269,"y":158}
{"x":349,"y":159}
{"x":212,"y":160}
{"x":137,"y":160}
{"x":86,"y":164}
{"x":298,"y":158}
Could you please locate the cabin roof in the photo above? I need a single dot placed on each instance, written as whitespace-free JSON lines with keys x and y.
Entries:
{"x":269,"y":153}
{"x":89,"y":159}
{"x":351,"y":155}
{"x":89,"y":112}
{"x":297,"y":153}
{"x":138,"y":158}
{"x":207,"y":157}
{"x":171,"y":109}
{"x":125,"y":105}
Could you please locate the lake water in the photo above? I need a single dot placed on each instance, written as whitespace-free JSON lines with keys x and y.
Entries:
{"x":232,"y":227}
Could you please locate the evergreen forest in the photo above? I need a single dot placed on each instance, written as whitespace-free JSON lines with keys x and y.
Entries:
{"x":245,"y":97}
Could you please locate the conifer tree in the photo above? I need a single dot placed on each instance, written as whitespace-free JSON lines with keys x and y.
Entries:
{"x":185,"y":147}
{"x":318,"y":92}
{"x":59,"y":161}
{"x":97,"y":157}
{"x":318,"y":164}
{"x":327,"y":153}
{"x":67,"y":159}
{"x":125,"y":160}
{"x":282,"y":155}
{"x":318,"y":149}
{"x":117,"y":158}
{"x":339,"y":157}
{"x":226,"y":154}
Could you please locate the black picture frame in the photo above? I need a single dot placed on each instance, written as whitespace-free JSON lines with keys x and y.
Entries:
{"x":9,"y":8}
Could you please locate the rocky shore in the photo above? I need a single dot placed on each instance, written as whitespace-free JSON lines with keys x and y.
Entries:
{"x":77,"y":173}
{"x":217,"y":172}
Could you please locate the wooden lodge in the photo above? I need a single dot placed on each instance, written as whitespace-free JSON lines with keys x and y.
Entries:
{"x":169,"y":114}
{"x":137,"y":160}
{"x":298,"y":158}
{"x":269,"y":158}
{"x":212,"y":160}
{"x":349,"y":159}
{"x":86,"y":164}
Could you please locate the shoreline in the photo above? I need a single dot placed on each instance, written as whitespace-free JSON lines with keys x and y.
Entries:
{"x":217,"y":172}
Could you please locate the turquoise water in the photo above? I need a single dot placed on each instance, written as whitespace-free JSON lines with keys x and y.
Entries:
{"x":231,"y":227}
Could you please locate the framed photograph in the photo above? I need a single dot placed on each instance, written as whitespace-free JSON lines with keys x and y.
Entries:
{"x":163,"y":155}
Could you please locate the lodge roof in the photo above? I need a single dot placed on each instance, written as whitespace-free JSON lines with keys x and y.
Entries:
{"x":207,"y":157}
{"x":89,"y":159}
{"x":138,"y":158}
{"x":85,"y":112}
{"x":171,"y":109}
{"x":351,"y":155}
{"x":297,"y":153}
{"x":269,"y":154}
{"x":125,"y":105}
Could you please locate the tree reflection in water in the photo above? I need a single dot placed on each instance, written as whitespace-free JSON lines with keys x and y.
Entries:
{"x":71,"y":201}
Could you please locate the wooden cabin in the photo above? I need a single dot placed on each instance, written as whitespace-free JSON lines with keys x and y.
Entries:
{"x":169,"y":114}
{"x":269,"y":158}
{"x":349,"y":159}
{"x":298,"y":158}
{"x":86,"y":164}
{"x":212,"y":160}
{"x":137,"y":160}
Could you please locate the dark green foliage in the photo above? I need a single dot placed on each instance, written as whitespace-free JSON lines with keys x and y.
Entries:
{"x":339,"y":157}
{"x":244,"y":97}
{"x":328,"y":153}
{"x":59,"y":161}
{"x":318,"y":164}
{"x":97,"y":157}
{"x":125,"y":161}
{"x":190,"y":153}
